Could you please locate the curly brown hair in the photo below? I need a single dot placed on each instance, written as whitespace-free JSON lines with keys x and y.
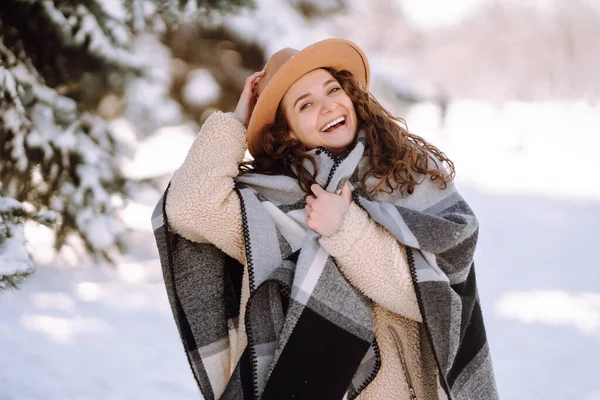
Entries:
{"x":396,"y":157}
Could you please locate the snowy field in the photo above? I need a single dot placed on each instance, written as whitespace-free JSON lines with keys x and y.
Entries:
{"x":528,"y":170}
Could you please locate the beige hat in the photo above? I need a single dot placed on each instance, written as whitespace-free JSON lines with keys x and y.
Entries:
{"x":288,"y":65}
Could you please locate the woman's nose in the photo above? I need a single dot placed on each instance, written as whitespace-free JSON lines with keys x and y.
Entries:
{"x":327,"y":105}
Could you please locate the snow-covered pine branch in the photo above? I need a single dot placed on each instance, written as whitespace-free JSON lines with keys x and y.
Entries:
{"x":15,"y":260}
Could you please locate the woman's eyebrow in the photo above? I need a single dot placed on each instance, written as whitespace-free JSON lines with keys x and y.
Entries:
{"x":305,"y":95}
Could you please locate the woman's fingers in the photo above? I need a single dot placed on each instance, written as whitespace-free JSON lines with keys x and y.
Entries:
{"x":249,"y":91}
{"x":247,"y":99}
{"x":253,"y":77}
{"x":252,"y":80}
{"x":317,"y":190}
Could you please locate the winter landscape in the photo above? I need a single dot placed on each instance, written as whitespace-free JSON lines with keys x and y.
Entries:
{"x":526,"y":161}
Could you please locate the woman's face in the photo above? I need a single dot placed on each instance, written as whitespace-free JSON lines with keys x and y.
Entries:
{"x":319,"y":112}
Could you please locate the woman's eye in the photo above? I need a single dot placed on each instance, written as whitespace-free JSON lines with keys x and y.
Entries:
{"x":333,"y":89}
{"x":304,"y":106}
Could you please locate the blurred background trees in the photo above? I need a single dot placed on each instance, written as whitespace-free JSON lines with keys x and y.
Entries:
{"x":66,"y":69}
{"x":524,"y":50}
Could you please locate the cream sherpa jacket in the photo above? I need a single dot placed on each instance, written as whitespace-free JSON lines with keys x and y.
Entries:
{"x":203,"y":206}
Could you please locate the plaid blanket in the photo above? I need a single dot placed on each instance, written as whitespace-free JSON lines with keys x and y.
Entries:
{"x":310,"y":333}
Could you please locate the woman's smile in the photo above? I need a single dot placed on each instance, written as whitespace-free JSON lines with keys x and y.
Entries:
{"x":335,"y":124}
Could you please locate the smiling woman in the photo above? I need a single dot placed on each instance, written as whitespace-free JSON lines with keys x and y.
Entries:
{"x":338,"y":263}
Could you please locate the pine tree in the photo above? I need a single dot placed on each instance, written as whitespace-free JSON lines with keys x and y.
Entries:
{"x":58,"y":59}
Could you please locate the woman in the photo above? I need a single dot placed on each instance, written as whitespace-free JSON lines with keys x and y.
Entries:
{"x":335,"y":264}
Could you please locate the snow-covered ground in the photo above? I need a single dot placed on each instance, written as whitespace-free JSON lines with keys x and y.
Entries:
{"x":529,"y":172}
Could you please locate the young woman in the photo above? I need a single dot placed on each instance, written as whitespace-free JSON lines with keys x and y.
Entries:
{"x":338,"y":262}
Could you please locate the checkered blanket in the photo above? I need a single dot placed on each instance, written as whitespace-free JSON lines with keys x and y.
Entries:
{"x":310,"y":333}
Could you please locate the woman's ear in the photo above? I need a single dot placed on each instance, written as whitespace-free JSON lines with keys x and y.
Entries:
{"x":292,"y":134}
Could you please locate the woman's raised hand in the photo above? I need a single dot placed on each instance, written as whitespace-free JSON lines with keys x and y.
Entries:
{"x":248,"y":98}
{"x":326,"y":210}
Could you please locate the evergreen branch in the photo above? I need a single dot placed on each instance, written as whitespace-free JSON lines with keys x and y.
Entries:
{"x":13,"y":281}
{"x":82,"y":30}
{"x":9,"y":83}
{"x":113,"y":25}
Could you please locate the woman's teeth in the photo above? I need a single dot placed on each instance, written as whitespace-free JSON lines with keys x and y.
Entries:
{"x":332,"y":123}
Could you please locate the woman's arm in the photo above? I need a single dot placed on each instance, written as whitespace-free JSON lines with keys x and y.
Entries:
{"x":202,"y":205}
{"x":374,"y":262}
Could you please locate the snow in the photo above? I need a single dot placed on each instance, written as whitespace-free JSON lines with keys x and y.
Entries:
{"x":102,"y":338}
{"x":114,"y":8}
{"x":12,"y":119}
{"x":63,"y":330}
{"x":66,"y":141}
{"x":280,"y":26}
{"x":201,"y":88}
{"x":553,"y":307}
{"x":160,"y":153}
{"x":8,"y":204}
{"x":100,"y":231}
{"x":538,"y":247}
{"x":542,"y":148}
{"x":149,"y":105}
{"x":83,"y":29}
{"x":14,"y":258}
{"x":10,"y":85}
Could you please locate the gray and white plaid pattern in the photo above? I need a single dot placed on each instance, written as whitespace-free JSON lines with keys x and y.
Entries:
{"x":277,"y":228}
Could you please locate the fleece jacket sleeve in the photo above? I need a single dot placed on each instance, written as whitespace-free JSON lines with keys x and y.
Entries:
{"x":202,"y":205}
{"x":374,"y":262}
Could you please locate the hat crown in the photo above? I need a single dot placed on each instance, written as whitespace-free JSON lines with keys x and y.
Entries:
{"x":276,"y":61}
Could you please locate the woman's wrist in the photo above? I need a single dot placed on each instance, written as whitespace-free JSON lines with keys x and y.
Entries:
{"x":351,"y":228}
{"x":237,"y":117}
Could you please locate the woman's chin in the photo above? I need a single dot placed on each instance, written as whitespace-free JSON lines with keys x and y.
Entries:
{"x":338,"y":140}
